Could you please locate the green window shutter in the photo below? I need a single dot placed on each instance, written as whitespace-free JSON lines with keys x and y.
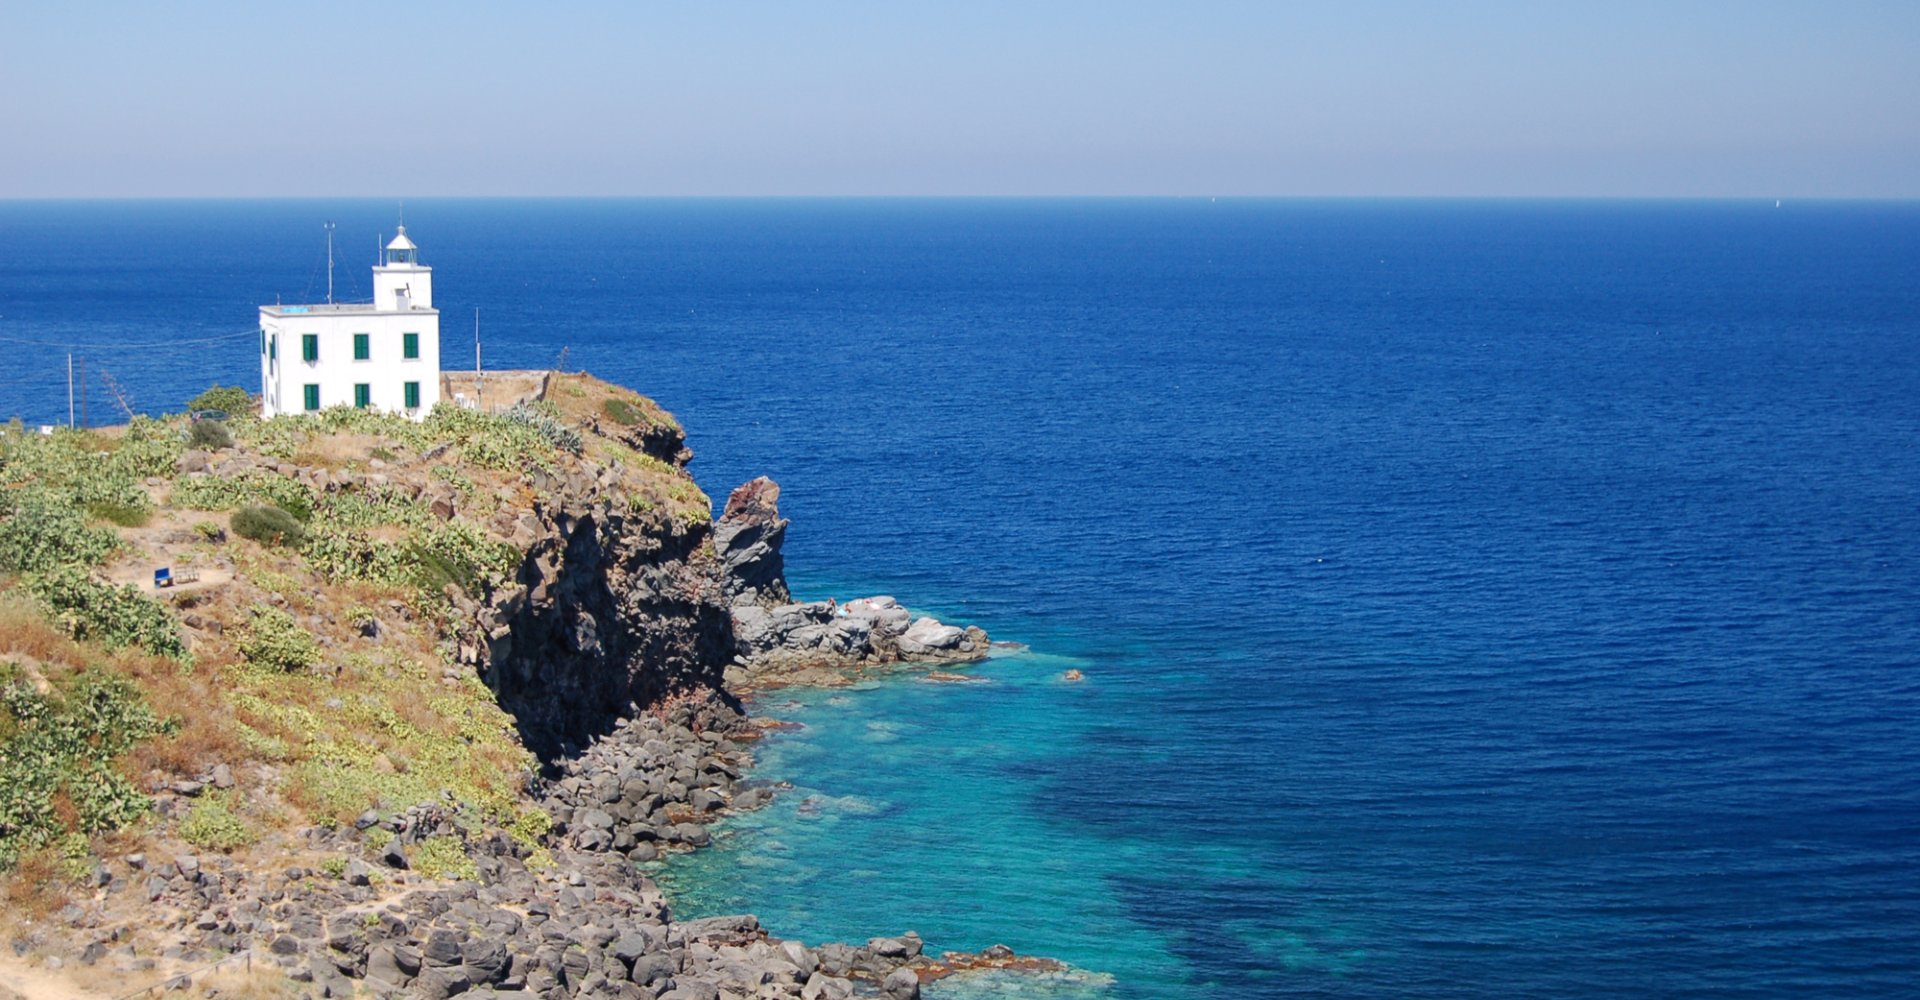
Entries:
{"x":410,"y":344}
{"x":273,"y":348}
{"x":362,"y":395}
{"x":361,"y":350}
{"x":413,"y":395}
{"x":309,"y":347}
{"x":313,"y":396}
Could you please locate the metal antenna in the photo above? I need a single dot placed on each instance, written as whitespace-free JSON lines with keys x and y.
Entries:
{"x":329,"y":228}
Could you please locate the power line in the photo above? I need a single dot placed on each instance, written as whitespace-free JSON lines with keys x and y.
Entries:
{"x":115,"y":345}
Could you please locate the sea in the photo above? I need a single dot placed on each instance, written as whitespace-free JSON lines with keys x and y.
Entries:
{"x":1470,"y":598}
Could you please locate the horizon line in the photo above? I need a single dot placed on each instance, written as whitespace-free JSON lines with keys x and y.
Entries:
{"x":969,"y":197}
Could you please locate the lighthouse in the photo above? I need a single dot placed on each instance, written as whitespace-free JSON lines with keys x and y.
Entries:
{"x":382,"y":355}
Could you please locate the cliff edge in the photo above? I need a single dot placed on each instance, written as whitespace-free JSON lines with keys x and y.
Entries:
{"x":390,"y":706}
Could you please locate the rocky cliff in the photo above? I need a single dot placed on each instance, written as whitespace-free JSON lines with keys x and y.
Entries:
{"x":419,"y":696}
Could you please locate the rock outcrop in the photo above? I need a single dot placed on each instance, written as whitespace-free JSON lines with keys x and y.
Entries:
{"x":747,"y":540}
{"x":611,"y":608}
{"x":778,"y":640}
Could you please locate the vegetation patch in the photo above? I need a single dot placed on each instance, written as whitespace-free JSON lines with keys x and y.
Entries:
{"x":209,"y":435}
{"x":39,"y":530}
{"x":444,"y":857}
{"x":268,"y":526}
{"x":274,"y":641}
{"x":621,"y":411}
{"x":60,"y":756}
{"x":213,"y":824}
{"x":116,"y":616}
{"x":229,"y":399}
{"x":255,"y":488}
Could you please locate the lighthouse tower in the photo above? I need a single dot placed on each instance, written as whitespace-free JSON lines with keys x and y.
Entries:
{"x":383,"y":354}
{"x":400,"y":281}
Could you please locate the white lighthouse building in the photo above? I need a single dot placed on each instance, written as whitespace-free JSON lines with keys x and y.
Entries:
{"x":384,"y":354}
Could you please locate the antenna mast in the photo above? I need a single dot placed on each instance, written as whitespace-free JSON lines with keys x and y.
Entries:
{"x":329,"y":228}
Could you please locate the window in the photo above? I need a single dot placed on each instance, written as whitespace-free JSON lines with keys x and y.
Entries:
{"x":362,"y":395}
{"x":263,"y":342}
{"x":413,"y":395}
{"x":361,"y":350}
{"x":273,"y":348}
{"x":309,"y":347}
{"x":313,"y":395}
{"x":410,"y":345}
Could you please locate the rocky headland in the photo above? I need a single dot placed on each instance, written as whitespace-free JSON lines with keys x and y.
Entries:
{"x":417,"y":750}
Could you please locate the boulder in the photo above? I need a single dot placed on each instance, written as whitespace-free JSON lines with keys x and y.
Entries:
{"x":901,"y":984}
{"x":928,"y":636}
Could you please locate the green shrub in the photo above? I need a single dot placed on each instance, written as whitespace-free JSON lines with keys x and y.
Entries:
{"x":126,"y":515}
{"x":65,"y":745}
{"x":212,"y":824}
{"x":253,"y":488}
{"x":621,"y":411}
{"x":545,"y":419}
{"x":116,"y":616}
{"x":209,"y":435}
{"x":444,"y":857}
{"x":230,"y":398}
{"x":40,"y":529}
{"x":209,"y":531}
{"x":273,"y":640}
{"x":268,"y":526}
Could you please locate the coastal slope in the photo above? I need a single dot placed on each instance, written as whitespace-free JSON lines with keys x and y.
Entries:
{"x":413,"y":698}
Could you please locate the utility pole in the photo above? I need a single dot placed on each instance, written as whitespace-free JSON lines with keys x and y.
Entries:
{"x":479,"y":377}
{"x":329,"y":228}
{"x":69,"y":390}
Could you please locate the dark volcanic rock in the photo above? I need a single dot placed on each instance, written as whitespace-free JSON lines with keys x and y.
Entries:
{"x":747,"y":539}
{"x":611,"y":609}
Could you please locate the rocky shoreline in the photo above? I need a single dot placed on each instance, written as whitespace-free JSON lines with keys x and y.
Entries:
{"x":564,"y":912}
{"x":624,"y":648}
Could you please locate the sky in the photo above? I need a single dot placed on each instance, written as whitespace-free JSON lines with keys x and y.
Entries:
{"x":972,"y":97}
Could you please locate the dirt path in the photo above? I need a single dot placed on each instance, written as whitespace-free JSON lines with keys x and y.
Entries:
{"x":33,"y":982}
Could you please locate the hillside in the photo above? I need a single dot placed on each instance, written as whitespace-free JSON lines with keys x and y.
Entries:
{"x":409,"y":688}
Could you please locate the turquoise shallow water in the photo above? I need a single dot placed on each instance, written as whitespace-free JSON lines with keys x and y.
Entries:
{"x":906,"y":813}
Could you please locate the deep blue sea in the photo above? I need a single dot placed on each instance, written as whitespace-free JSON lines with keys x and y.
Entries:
{"x":1474,"y":598}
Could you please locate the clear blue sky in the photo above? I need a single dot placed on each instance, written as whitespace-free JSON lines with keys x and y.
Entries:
{"x":1369,"y":97}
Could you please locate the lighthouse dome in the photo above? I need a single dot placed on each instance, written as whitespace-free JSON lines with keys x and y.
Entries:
{"x":401,"y":250}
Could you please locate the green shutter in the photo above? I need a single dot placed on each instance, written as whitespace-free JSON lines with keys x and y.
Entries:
{"x":309,"y":347}
{"x":410,"y":344}
{"x":362,"y":395}
{"x":312,"y":395}
{"x":361,"y":351}
{"x":273,"y":348}
{"x":413,"y":395}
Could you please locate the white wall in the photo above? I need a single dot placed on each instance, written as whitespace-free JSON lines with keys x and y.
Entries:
{"x":385,"y":372}
{"x":416,"y":279}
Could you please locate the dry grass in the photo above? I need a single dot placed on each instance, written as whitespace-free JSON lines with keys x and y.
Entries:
{"x":339,"y":450}
{"x":26,"y":633}
{"x":35,"y":890}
